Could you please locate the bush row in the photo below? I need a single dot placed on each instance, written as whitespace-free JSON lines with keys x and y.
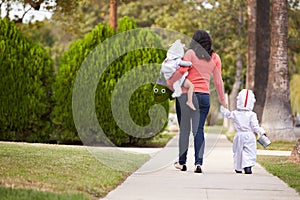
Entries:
{"x":37,"y":105}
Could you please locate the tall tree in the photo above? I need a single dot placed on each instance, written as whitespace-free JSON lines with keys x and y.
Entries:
{"x":113,"y":14}
{"x":262,"y":40}
{"x":238,"y":68}
{"x":251,"y":44}
{"x":277,"y":114}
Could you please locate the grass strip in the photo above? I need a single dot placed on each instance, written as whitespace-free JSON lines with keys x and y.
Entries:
{"x":63,"y":169}
{"x":26,"y":194}
{"x":283,"y":168}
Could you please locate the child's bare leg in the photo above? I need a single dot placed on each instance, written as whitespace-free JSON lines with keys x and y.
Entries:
{"x":188,"y":84}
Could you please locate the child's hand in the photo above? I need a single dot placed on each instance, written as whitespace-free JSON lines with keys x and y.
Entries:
{"x":225,"y":111}
{"x":266,"y":134}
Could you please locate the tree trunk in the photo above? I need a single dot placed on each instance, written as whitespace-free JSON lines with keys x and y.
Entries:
{"x":295,"y":154}
{"x":262,"y":55}
{"x":277,"y":114}
{"x":251,"y":44}
{"x":235,"y":88}
{"x":113,"y":14}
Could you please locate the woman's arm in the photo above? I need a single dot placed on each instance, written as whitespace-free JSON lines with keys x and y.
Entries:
{"x":218,"y":81}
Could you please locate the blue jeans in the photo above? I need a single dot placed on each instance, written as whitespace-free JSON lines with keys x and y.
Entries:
{"x":185,"y":117}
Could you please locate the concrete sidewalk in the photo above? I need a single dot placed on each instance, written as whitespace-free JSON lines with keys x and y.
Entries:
{"x":159,"y":180}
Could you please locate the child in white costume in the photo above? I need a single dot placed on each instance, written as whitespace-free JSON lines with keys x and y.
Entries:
{"x":171,"y":64}
{"x":246,"y":124}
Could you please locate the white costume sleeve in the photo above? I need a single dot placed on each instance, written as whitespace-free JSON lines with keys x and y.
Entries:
{"x":255,"y":125}
{"x":185,"y":63}
{"x":225,"y":112}
{"x":167,"y":69}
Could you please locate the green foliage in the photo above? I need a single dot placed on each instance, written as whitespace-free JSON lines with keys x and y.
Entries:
{"x":143,"y":12}
{"x":125,"y":23}
{"x":141,"y":98}
{"x":293,"y":40}
{"x":294,"y":27}
{"x":182,"y":16}
{"x":70,"y":64}
{"x":295,"y":93}
{"x":130,"y":62}
{"x":40,"y":32}
{"x":228,"y":28}
{"x":132,"y":69}
{"x":26,"y":77}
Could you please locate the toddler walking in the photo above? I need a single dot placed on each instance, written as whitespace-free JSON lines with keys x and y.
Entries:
{"x":246,"y":125}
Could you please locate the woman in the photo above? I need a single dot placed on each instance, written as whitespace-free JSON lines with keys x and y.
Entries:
{"x":205,"y":62}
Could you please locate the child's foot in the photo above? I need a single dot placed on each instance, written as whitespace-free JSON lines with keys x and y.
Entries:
{"x":247,"y":170}
{"x":238,"y":172}
{"x":191,"y":105}
{"x":179,"y":166}
{"x":198,"y":169}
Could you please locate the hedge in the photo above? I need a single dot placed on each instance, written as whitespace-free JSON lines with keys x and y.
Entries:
{"x":93,"y":51}
{"x":26,"y":78}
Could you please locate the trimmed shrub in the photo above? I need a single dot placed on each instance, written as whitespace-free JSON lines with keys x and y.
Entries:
{"x":110,"y":84}
{"x":26,"y":77}
{"x":70,"y":63}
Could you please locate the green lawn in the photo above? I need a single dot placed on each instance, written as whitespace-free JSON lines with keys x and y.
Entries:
{"x":29,"y":194}
{"x":283,"y":168}
{"x":68,"y":170}
{"x":42,"y":171}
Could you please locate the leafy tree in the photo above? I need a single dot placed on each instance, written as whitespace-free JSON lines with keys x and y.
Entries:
{"x":69,"y":65}
{"x":26,"y":79}
{"x":146,"y":13}
{"x":40,"y":32}
{"x":113,"y":14}
{"x":140,"y":101}
{"x":293,"y":40}
{"x":251,"y":53}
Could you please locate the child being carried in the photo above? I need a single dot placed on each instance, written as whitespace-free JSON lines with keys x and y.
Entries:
{"x":172,"y":62}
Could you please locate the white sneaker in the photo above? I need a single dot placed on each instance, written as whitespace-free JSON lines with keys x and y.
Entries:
{"x":179,"y":166}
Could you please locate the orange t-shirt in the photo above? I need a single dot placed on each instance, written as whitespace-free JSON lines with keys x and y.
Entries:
{"x":200,"y":72}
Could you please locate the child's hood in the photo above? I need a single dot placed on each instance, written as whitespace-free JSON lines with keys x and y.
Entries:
{"x":176,"y":50}
{"x":245,"y":100}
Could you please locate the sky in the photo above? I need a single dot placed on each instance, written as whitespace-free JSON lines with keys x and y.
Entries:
{"x":31,"y":15}
{"x":34,"y":15}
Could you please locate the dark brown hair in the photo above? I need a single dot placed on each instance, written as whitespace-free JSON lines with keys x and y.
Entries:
{"x":201,"y":43}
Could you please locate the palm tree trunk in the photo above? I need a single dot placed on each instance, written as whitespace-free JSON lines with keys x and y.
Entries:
{"x":262,"y":55}
{"x":277,"y":114}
